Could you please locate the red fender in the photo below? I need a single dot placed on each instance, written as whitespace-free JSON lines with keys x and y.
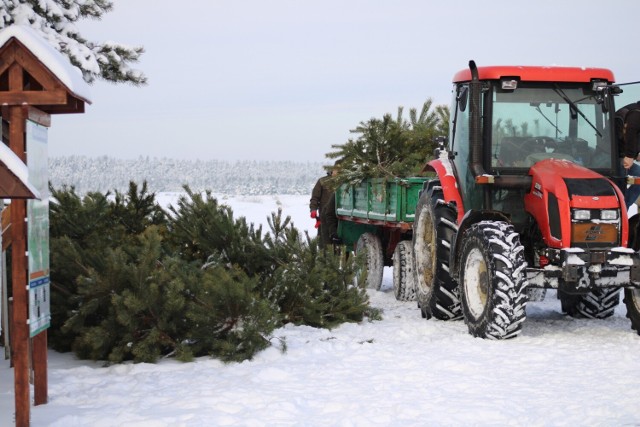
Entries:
{"x":444,"y":168}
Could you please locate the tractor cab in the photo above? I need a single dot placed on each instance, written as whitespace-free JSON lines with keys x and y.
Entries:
{"x":505,"y":119}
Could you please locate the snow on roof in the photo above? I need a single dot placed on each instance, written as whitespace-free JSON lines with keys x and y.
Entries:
{"x":57,"y":63}
{"x":17,"y":167}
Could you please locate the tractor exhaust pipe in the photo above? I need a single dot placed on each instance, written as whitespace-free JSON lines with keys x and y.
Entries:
{"x":475,"y":129}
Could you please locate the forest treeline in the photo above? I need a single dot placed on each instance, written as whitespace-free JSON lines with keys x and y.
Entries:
{"x":106,"y":173}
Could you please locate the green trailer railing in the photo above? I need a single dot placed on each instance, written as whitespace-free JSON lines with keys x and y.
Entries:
{"x":380,"y":201}
{"x":379,"y":206}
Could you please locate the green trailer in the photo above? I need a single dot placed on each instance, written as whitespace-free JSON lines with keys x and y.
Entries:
{"x":376,"y":216}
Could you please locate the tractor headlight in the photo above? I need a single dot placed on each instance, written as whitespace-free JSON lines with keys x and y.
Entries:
{"x":610,"y":214}
{"x":510,"y":84}
{"x":581,"y":214}
{"x":598,"y":85}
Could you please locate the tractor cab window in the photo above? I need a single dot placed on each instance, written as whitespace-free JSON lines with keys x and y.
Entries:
{"x":540,"y":121}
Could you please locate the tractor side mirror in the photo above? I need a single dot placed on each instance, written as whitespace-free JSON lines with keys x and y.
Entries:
{"x":604,"y":93}
{"x":441,"y":143}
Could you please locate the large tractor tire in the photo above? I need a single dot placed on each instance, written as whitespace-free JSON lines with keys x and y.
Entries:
{"x":632,"y":301}
{"x":492,"y":280}
{"x":404,"y":287}
{"x":597,"y":304}
{"x":632,"y":296}
{"x":433,"y":230}
{"x":369,"y":244}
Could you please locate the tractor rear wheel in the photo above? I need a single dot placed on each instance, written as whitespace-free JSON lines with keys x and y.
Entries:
{"x":492,"y":280}
{"x":632,"y":301}
{"x":433,"y":231}
{"x":597,"y":304}
{"x":369,"y":244}
{"x":404,"y":286}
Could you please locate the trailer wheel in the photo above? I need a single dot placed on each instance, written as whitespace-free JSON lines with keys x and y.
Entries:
{"x":597,"y":304}
{"x":492,"y":280}
{"x":370,"y":244}
{"x":632,"y":301}
{"x":433,"y":230}
{"x":404,"y":287}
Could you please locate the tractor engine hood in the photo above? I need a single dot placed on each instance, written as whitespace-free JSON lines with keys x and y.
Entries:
{"x":559,"y":188}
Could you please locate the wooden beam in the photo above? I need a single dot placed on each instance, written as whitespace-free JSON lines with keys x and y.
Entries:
{"x":36,"y":69}
{"x":57,"y":97}
{"x":7,"y":56}
{"x":38,"y":116}
{"x":40,"y":374}
{"x":74,"y":105}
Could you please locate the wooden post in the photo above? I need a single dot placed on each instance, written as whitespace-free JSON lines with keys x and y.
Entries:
{"x":40,"y":372}
{"x":19,"y":267}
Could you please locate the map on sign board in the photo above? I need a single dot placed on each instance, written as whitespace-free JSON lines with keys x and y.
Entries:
{"x":38,"y":230}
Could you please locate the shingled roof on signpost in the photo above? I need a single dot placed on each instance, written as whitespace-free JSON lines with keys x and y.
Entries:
{"x":50,"y":83}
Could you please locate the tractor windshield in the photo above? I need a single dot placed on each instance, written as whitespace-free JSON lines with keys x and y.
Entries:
{"x":540,"y":121}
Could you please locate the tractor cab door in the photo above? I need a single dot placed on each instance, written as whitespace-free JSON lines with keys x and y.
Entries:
{"x":459,"y":138}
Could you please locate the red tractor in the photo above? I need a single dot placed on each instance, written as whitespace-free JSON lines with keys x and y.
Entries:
{"x":527,"y":198}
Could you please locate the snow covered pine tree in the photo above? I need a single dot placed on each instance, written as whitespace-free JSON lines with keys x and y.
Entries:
{"x":55,"y":20}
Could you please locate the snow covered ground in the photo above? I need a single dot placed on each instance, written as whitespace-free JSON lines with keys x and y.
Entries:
{"x":401,"y":371}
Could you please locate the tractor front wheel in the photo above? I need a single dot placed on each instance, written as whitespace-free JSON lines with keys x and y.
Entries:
{"x":492,"y":280}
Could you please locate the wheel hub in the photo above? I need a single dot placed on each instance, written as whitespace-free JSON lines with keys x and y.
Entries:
{"x":476,"y":280}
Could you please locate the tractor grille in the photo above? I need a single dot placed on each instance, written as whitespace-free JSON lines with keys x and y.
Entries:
{"x":589,"y":235}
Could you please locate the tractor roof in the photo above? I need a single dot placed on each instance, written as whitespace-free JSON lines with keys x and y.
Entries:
{"x":538,"y":74}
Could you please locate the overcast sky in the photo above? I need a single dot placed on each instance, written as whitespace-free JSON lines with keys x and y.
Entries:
{"x":286,"y":79}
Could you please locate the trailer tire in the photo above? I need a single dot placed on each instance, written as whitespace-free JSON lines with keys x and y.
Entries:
{"x":370,"y":244}
{"x":597,"y":304}
{"x":404,"y":287}
{"x":632,"y":301}
{"x":433,"y":230}
{"x":492,"y":280}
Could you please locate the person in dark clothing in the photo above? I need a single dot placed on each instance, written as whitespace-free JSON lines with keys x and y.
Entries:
{"x":323,"y":209}
{"x":628,"y":133}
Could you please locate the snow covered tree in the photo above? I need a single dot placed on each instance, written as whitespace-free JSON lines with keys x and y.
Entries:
{"x":56,"y":19}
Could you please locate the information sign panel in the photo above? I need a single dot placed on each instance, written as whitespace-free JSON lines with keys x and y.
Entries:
{"x":38,"y":230}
